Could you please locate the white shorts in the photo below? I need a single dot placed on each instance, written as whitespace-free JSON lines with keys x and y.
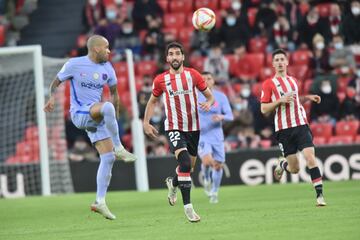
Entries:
{"x":81,"y":118}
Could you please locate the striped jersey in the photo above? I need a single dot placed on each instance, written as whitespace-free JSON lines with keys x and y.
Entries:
{"x":180,"y":98}
{"x":286,"y":115}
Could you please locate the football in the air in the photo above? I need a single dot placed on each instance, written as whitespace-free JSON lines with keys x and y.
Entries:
{"x":204,"y":19}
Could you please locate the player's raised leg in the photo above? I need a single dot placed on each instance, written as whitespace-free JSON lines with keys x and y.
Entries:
{"x":106,"y":111}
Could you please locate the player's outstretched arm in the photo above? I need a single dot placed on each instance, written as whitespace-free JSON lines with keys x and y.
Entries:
{"x":205,"y":106}
{"x":149,"y":111}
{"x":50,"y":104}
{"x":312,"y":97}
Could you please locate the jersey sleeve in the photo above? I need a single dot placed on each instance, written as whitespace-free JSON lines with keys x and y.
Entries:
{"x":112,"y":78}
{"x":199,"y":80}
{"x":266,"y":92}
{"x":226,"y":108}
{"x":66,"y":71}
{"x":156,"y":88}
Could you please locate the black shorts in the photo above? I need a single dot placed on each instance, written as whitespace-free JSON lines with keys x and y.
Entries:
{"x":294,"y":139}
{"x":179,"y":139}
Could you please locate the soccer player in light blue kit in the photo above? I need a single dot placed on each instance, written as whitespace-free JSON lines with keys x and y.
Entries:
{"x":211,"y":144}
{"x":88,"y":75}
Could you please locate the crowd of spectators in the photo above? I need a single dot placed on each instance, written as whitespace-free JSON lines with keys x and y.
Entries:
{"x":322,"y":39}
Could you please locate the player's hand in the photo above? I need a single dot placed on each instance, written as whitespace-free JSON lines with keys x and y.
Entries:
{"x":288,"y":98}
{"x":49,"y":106}
{"x":315,"y":98}
{"x":217,"y":117}
{"x":205,"y":106}
{"x":150,"y":130}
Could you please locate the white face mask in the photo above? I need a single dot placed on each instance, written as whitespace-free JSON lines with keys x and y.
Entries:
{"x":111,"y":15}
{"x":320,"y":45}
{"x":127,"y":30}
{"x":355,"y":10}
{"x":339,"y":45}
{"x":245,"y":92}
{"x":93,"y":2}
{"x":236,"y":5}
{"x":358,"y":73}
{"x":118,"y":2}
{"x":326,"y":88}
{"x":231,"y":21}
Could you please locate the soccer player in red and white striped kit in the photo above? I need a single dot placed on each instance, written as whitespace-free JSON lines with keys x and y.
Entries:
{"x":280,"y":94}
{"x":177,"y":86}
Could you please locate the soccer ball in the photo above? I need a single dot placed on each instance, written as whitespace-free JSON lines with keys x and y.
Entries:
{"x":204,"y":19}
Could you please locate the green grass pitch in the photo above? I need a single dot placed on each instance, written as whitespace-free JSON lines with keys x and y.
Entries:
{"x":280,"y":211}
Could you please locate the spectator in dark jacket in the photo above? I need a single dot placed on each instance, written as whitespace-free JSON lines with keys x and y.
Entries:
{"x":351,"y":24}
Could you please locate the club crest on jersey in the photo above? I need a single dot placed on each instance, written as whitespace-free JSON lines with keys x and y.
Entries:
{"x":96,"y":76}
{"x":104,"y":76}
{"x":174,"y":143}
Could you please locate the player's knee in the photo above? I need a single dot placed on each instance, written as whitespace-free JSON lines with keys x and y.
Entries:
{"x":294,"y":169}
{"x":184,"y":162}
{"x":217,"y":166}
{"x":108,"y":109}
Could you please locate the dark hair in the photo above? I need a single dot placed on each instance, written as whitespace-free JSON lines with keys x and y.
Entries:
{"x":174,"y":45}
{"x":206,"y":73}
{"x":279,"y":51}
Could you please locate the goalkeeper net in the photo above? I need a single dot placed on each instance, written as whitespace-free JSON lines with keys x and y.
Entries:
{"x":28,"y":163}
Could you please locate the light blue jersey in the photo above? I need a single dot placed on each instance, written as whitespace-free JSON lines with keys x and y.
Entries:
{"x":211,"y":133}
{"x":87,"y":82}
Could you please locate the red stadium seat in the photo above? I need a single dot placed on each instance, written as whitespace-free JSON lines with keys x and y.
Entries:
{"x":324,"y":9}
{"x":185,"y":36}
{"x":122,"y":84}
{"x":163,"y":4}
{"x":307,"y":86}
{"x":2,"y":35}
{"x":324,"y":130}
{"x":185,"y":6}
{"x":342,"y":83}
{"x":265,"y":73}
{"x":146,"y":68}
{"x":299,"y":72}
{"x":347,"y":128}
{"x":265,"y":143}
{"x":121,"y":68}
{"x":300,"y":57}
{"x":171,"y":30}
{"x":225,"y":4}
{"x":174,"y":20}
{"x":197,"y":62}
{"x":339,"y":140}
{"x":357,"y":139}
{"x":256,"y":61}
{"x":319,"y":141}
{"x":127,"y":141}
{"x":251,"y":13}
{"x":257,"y":45}
{"x":212,"y":4}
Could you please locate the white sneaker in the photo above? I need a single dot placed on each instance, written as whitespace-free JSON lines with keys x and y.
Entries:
{"x":122,"y":154}
{"x":172,"y":191}
{"x":190,"y":213}
{"x":103,"y":210}
{"x":320,"y":201}
{"x":214,"y":197}
{"x":207,"y":187}
{"x":278,"y":172}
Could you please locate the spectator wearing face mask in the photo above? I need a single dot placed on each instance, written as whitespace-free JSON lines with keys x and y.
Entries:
{"x":110,"y":26}
{"x":217,"y":65}
{"x":351,"y":24}
{"x":335,"y":19}
{"x":128,"y":37}
{"x":342,"y":59}
{"x":281,"y":35}
{"x":233,"y":31}
{"x":144,"y":94}
{"x":310,"y":26}
{"x":351,"y":106}
{"x":327,"y":110}
{"x":319,"y":61}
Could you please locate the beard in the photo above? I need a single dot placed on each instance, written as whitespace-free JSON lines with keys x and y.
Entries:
{"x":176,"y":65}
